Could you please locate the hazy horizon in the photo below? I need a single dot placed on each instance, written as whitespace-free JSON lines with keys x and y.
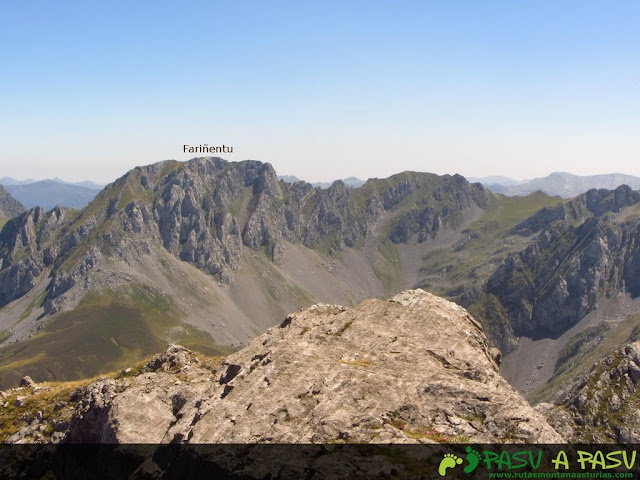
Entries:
{"x":322,"y":91}
{"x":281,"y":174}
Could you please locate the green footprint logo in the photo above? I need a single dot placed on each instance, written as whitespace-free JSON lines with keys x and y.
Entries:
{"x":473,"y":457}
{"x":449,"y":461}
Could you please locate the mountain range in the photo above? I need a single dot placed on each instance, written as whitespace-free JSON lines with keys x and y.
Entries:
{"x":85,"y":183}
{"x":210,"y":254}
{"x":9,"y":206}
{"x":57,"y":192}
{"x":51,"y":193}
{"x":563,"y":184}
{"x":351,"y":182}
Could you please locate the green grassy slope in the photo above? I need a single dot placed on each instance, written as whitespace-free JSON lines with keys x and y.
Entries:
{"x":106,"y":331}
{"x":460,"y":271}
{"x":471,"y":261}
{"x":580,"y":355}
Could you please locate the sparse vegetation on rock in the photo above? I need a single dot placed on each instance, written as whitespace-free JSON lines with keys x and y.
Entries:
{"x":414,"y":368}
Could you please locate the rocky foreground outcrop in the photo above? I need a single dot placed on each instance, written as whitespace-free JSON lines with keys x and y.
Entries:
{"x":604,"y":407}
{"x":415,"y":368}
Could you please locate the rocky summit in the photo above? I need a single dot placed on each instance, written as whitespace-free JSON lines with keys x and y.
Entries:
{"x":9,"y":206}
{"x":414,"y":368}
{"x":206,"y":254}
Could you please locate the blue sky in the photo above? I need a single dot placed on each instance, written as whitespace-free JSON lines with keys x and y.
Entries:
{"x":321,"y":90}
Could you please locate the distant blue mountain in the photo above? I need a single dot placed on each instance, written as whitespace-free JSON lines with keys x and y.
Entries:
{"x":289,"y":178}
{"x":86,"y":184}
{"x":495,"y":180}
{"x":12,"y":181}
{"x":50,"y":193}
{"x":567,"y":185}
{"x":351,"y":182}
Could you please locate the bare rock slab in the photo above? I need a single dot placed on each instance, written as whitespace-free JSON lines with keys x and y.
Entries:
{"x":414,"y":368}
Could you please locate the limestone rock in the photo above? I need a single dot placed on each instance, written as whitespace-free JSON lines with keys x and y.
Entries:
{"x":9,"y":206}
{"x":415,"y":368}
{"x":427,"y":219}
{"x":151,"y":407}
{"x":582,"y":253}
{"x":27,"y":382}
{"x":604,"y":406}
{"x":23,"y":258}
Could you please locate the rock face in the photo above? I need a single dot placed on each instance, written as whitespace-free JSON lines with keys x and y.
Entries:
{"x":151,"y":407}
{"x":584,"y":249}
{"x":24,"y":257}
{"x":204,"y":211}
{"x":225,"y":246}
{"x":415,"y":368}
{"x":9,"y":206}
{"x":605,"y":405}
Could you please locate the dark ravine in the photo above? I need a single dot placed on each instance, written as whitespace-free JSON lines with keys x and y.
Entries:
{"x":583,"y":260}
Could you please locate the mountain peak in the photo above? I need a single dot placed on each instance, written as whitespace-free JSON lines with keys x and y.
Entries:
{"x":229,"y":227}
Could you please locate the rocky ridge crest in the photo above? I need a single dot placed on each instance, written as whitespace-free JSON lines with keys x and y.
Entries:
{"x":584,"y":249}
{"x":27,"y":250}
{"x":205,"y":210}
{"x":9,"y":206}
